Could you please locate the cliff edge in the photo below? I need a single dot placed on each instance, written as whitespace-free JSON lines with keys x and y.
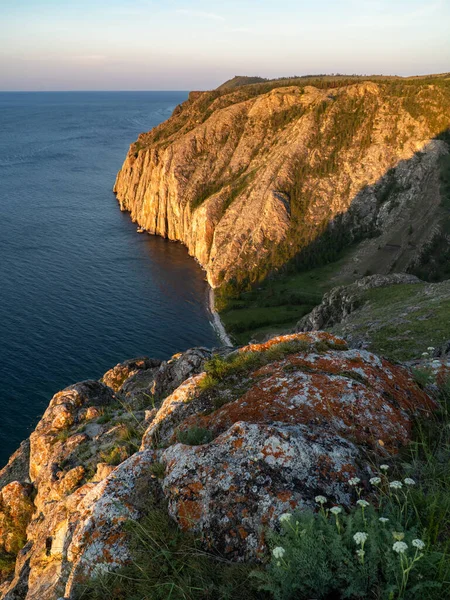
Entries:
{"x":248,"y":177}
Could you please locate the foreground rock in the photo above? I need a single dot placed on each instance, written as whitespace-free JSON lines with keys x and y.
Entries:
{"x":298,"y":420}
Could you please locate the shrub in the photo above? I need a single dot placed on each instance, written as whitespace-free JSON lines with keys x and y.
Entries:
{"x":404,"y":552}
{"x":114,"y":456}
{"x":195,"y":436}
{"x":374,"y":550}
{"x":158,"y":470}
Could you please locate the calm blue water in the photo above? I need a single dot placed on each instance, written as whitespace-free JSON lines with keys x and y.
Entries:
{"x":80,"y":290}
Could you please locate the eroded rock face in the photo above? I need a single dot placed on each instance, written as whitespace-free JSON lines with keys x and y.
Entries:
{"x":297,"y":424}
{"x":220,"y":175}
{"x":16,"y":509}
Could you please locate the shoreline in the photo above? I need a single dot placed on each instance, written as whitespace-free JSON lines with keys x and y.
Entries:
{"x":217,"y":322}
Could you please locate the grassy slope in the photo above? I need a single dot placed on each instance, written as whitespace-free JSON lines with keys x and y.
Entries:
{"x":401,"y":321}
{"x":278,"y":303}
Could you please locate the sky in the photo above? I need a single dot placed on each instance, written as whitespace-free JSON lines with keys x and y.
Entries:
{"x":194,"y":44}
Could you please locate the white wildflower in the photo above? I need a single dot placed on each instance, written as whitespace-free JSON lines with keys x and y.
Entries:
{"x":409,"y":481}
{"x":396,"y":485}
{"x":354,"y":481}
{"x":425,"y":354}
{"x":383,"y":519}
{"x":418,"y":544}
{"x":320,"y":499}
{"x":279,"y":552}
{"x":360,"y":537}
{"x":360,"y":553}
{"x":400,"y":547}
{"x":335,"y":510}
{"x":384,"y":467}
{"x":362,"y":503}
{"x":285,"y":517}
{"x":430,"y":348}
{"x":375,"y":480}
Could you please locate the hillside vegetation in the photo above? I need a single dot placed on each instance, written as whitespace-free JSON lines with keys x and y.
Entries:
{"x":288,"y":172}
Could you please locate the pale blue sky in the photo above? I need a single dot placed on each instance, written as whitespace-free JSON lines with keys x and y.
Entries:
{"x":194,"y":44}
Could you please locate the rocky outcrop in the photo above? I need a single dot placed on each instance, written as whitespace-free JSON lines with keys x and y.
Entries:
{"x":296,"y":417}
{"x":341,"y":301}
{"x":246,"y":177}
{"x":397,"y":316}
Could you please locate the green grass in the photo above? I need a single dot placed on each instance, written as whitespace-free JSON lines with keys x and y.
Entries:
{"x":194,"y":436}
{"x":168,"y":564}
{"x":409,"y":320}
{"x":225,"y":369}
{"x":276,"y":304}
{"x":7,"y":564}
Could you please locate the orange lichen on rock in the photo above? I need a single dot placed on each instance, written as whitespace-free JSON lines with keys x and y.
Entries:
{"x":309,"y":338}
{"x":359,"y":395}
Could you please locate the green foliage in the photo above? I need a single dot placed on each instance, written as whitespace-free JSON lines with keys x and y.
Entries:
{"x":158,"y":470}
{"x":237,"y":364}
{"x":114,"y":456}
{"x":194,"y":436}
{"x":315,"y":555}
{"x":322,"y":556}
{"x":7,"y":565}
{"x":62,"y":435}
{"x":104,"y":418}
{"x":403,"y":319}
{"x":274,"y":305}
{"x":168,"y":564}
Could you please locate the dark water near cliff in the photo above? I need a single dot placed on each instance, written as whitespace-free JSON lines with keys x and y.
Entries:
{"x":80,"y":289}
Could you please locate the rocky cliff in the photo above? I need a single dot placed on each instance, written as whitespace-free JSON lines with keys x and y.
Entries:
{"x":248,"y":176}
{"x":280,"y":422}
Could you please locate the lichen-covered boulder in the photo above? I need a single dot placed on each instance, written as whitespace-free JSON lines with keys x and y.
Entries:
{"x":99,"y":541}
{"x":297,"y":420}
{"x":68,"y":437}
{"x":251,"y":474}
{"x":361,"y":396}
{"x":172,"y":373}
{"x":283,"y":432}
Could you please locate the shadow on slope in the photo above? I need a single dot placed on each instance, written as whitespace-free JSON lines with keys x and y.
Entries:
{"x":401,"y":223}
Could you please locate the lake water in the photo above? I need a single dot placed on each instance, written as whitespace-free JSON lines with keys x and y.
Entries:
{"x":80,"y":290}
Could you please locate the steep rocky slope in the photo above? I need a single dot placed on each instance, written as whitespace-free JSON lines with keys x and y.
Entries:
{"x":249,"y":176}
{"x":284,"y":420}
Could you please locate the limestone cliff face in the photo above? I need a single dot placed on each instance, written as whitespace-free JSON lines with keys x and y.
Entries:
{"x":246,"y":177}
